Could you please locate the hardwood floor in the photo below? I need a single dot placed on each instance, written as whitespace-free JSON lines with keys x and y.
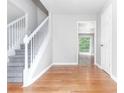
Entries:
{"x":70,"y":79}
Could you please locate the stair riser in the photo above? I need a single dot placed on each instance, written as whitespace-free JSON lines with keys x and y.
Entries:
{"x":16,"y":64}
{"x":17,"y":59}
{"x":21,"y":53}
{"x":14,"y":80}
{"x":14,"y":75}
{"x":23,"y":50}
{"x":15,"y":69}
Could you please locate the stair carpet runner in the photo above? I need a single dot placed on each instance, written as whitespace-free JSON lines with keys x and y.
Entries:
{"x":15,"y":65}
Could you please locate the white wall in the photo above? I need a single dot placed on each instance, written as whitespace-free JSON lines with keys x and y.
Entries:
{"x":28,"y":7}
{"x":65,"y":43}
{"x":114,"y":36}
{"x":13,"y":12}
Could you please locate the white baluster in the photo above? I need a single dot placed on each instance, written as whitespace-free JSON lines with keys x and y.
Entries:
{"x":14,"y":34}
{"x":19,"y":31}
{"x":9,"y":28}
{"x":12,"y":37}
{"x":31,"y":51}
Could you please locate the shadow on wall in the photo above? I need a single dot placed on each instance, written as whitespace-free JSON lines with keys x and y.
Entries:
{"x":13,"y":12}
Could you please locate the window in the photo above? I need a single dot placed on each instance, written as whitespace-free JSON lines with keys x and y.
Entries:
{"x":84,"y":44}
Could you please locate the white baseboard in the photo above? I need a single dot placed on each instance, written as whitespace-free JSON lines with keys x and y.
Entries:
{"x":67,"y":63}
{"x":38,"y":76}
{"x":98,"y":65}
{"x":114,"y":78}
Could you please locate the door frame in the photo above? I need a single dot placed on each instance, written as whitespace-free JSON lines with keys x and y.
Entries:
{"x":77,"y":23}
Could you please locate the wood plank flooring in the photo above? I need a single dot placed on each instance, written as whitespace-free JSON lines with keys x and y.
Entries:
{"x":70,"y":79}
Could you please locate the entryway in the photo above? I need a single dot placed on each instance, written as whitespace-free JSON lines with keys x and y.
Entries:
{"x":86,"y":42}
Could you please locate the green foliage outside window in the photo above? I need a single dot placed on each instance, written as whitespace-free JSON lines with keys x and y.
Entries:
{"x":84,"y":44}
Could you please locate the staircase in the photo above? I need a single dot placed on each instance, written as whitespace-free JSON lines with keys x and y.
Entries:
{"x":24,"y":57}
{"x":16,"y":32}
{"x":16,"y":65}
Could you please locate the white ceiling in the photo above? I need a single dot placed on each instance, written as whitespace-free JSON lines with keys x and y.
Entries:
{"x":73,"y":6}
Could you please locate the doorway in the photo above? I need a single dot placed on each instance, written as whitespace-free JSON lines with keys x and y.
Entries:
{"x":86,"y":42}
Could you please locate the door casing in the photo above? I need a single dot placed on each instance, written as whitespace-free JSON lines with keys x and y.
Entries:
{"x":77,"y":23}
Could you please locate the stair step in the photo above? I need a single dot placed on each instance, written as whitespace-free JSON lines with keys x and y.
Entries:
{"x":14,"y":74}
{"x":15,"y":80}
{"x":17,"y":64}
{"x":22,"y":52}
{"x":18,"y":56}
{"x":15,"y":69}
{"x":18,"y":60}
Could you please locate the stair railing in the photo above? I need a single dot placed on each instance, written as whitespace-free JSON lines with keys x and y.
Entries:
{"x":33,"y":43}
{"x":16,"y":31}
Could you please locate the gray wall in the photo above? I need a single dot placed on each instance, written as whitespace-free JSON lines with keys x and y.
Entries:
{"x":29,"y":8}
{"x":13,"y":12}
{"x":35,"y":16}
{"x":40,"y":16}
{"x":65,"y":40}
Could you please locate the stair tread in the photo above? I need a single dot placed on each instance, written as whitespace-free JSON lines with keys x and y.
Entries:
{"x":16,"y":65}
{"x":14,"y":80}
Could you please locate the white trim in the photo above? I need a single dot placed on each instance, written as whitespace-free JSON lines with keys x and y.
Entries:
{"x":114,"y":78}
{"x":63,"y":63}
{"x":99,"y":66}
{"x":38,"y":76}
{"x":86,"y":33}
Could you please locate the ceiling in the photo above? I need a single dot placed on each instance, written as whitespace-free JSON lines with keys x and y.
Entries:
{"x":74,"y":6}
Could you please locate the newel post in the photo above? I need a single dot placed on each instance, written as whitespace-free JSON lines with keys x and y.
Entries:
{"x":26,"y":51}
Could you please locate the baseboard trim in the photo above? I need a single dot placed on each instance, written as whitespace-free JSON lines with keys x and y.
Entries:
{"x":65,"y":63}
{"x":98,"y":65}
{"x":114,"y":78}
{"x":38,"y":76}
